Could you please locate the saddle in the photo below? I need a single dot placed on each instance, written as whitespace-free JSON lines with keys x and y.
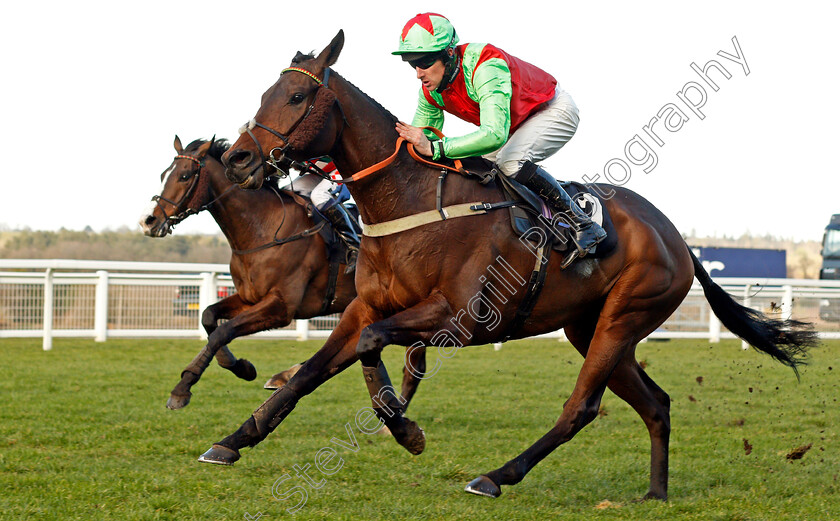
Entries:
{"x":337,"y":249}
{"x":529,"y":212}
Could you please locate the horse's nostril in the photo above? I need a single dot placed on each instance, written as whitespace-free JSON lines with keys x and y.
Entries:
{"x":150,"y":220}
{"x":240,"y":158}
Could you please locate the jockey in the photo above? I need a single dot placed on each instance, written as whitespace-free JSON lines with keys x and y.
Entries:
{"x":522,"y":114}
{"x":327,"y":198}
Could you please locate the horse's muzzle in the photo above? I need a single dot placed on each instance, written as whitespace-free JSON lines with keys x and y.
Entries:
{"x":239,"y":164}
{"x":154,"y":227}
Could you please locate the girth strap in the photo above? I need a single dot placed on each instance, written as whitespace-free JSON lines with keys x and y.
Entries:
{"x":329,"y":295}
{"x":535,"y":286}
{"x":420,"y":219}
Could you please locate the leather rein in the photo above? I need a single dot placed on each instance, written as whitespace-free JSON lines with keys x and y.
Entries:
{"x":281,"y":163}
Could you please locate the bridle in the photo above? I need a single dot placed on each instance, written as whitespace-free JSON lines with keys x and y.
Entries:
{"x":275,"y":240}
{"x":196,"y":177}
{"x":282,"y":163}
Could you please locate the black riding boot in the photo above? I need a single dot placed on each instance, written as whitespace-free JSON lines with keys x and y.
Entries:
{"x":340,"y":221}
{"x":587,"y":233}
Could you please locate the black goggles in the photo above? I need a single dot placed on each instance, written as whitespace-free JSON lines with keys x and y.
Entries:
{"x":425,"y":61}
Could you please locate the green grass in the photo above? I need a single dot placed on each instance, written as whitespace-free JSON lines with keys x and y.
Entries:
{"x":84,"y":434}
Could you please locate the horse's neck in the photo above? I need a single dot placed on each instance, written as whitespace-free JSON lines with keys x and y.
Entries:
{"x":402,"y":188}
{"x":247,"y":218}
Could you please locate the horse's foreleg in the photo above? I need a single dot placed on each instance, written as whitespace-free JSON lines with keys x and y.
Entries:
{"x":337,"y":354}
{"x":266,"y":314}
{"x":404,"y":328}
{"x":222,"y":310}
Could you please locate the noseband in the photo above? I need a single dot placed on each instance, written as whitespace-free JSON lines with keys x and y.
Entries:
{"x":282,"y":163}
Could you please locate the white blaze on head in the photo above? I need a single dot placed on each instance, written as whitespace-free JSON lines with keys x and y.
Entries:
{"x":150,"y":209}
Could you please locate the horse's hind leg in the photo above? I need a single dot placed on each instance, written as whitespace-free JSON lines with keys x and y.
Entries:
{"x":638,"y":303}
{"x":578,"y":411}
{"x":630,"y":383}
{"x":282,"y":378}
{"x":634,"y":386}
{"x":413,"y":371}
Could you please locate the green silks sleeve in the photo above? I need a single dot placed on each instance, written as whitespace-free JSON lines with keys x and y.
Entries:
{"x":427,"y":115}
{"x":492,"y":89}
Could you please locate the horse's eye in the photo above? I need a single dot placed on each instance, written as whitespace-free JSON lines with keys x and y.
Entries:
{"x":297,"y":98}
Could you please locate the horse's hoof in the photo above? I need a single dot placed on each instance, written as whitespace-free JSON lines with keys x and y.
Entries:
{"x":655,"y":496}
{"x":274,"y":383}
{"x":178,"y":401}
{"x":414,"y":440}
{"x":245,"y":370}
{"x":384,"y":431}
{"x":483,"y":486}
{"x":219,"y":455}
{"x":280,"y":379}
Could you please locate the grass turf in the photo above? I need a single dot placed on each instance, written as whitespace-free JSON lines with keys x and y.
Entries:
{"x":84,"y":434}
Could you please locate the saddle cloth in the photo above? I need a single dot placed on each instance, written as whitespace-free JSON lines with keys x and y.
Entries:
{"x":337,"y":249}
{"x":531,"y":211}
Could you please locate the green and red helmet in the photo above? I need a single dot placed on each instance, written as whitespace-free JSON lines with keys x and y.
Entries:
{"x":426,"y":33}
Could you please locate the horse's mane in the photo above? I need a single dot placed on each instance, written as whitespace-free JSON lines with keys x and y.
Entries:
{"x":300,"y":58}
{"x":220,"y":146}
{"x":372,"y":100}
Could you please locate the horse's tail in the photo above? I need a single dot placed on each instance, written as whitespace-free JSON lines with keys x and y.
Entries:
{"x":785,"y":340}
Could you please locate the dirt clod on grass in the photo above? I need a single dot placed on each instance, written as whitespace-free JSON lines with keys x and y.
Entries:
{"x":799,"y":452}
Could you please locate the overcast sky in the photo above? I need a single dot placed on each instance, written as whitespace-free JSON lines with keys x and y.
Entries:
{"x":93,"y":94}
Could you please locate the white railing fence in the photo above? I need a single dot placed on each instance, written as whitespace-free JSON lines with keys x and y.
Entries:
{"x":113,"y":299}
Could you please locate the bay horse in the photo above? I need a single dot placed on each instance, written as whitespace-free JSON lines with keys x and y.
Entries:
{"x":434,"y":284}
{"x":276,"y":281}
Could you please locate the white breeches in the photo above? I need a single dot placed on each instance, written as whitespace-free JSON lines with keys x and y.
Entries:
{"x":540,"y":136}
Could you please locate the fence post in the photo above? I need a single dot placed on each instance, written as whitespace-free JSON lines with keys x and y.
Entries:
{"x":48,"y":308}
{"x":207,"y":295}
{"x":714,"y":328}
{"x":302,"y":328}
{"x":748,"y":304}
{"x":100,"y":320}
{"x":787,"y":302}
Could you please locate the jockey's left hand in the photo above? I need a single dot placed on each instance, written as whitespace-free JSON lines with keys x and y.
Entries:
{"x":416,"y":137}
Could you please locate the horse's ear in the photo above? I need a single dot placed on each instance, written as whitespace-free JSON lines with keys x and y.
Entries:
{"x":203,"y":149}
{"x":177,"y":144}
{"x":330,"y":53}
